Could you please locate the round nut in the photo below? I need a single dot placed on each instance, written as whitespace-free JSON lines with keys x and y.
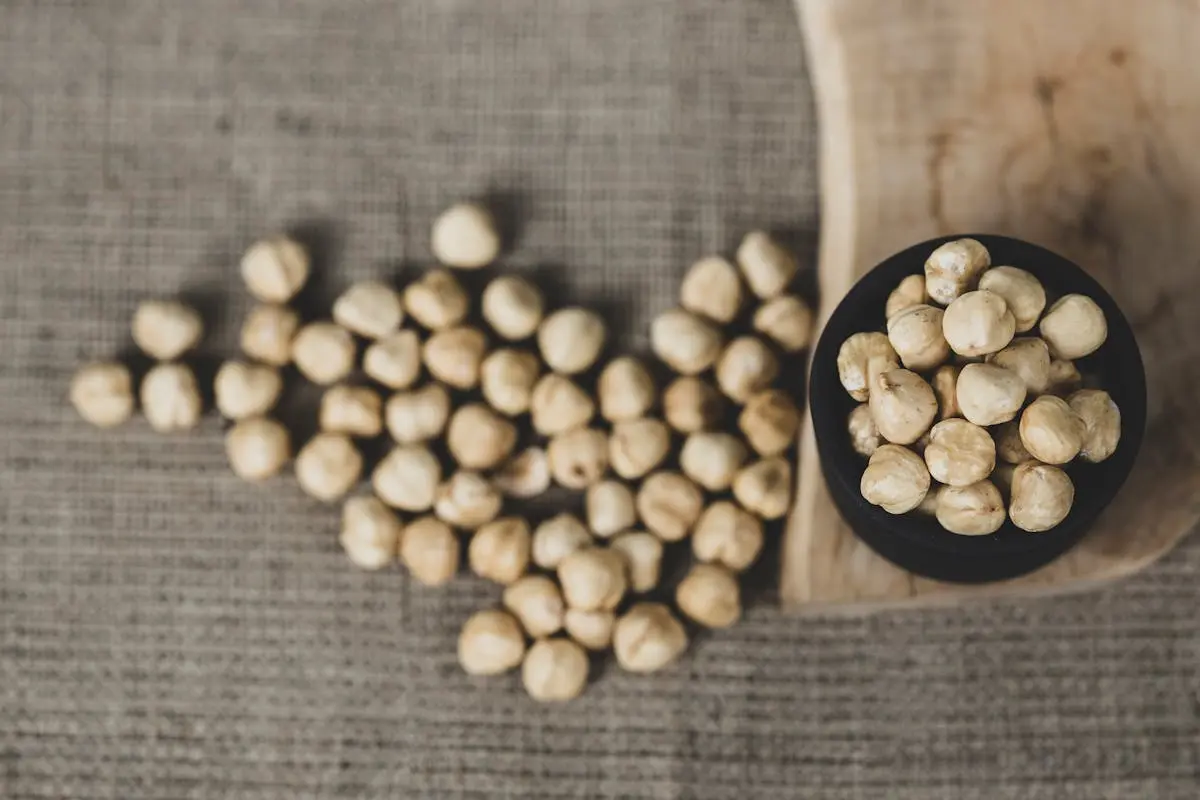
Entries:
{"x":246,"y":390}
{"x":626,"y":389}
{"x":765,"y":487}
{"x":555,"y":670}
{"x":643,"y":553}
{"x":578,"y":458}
{"x":989,"y":394}
{"x":525,"y":475}
{"x":166,"y":329}
{"x":328,"y":466}
{"x":746,"y":366}
{"x":430,"y":551}
{"x":691,"y":404}
{"x":437,"y":301}
{"x":1102,"y":423}
{"x":954,"y":269}
{"x":571,"y":339}
{"x":786,"y":320}
{"x":370,"y":532}
{"x":638,"y":446}
{"x":976,"y":509}
{"x":712,"y":459}
{"x":170,"y":398}
{"x":479,"y":438}
{"x":728,"y":535}
{"x":592,"y":629}
{"x":257,"y":448}
{"x":419,"y":415}
{"x":558,"y":404}
{"x":371,"y":309}
{"x":1064,"y":378}
{"x":1029,"y":357}
{"x":916,"y":335}
{"x":465,"y":236}
{"x":324,"y":352}
{"x":352,"y":410}
{"x":1009,"y":447}
{"x":1051,"y":430}
{"x":864,"y":436}
{"x":537,"y":603}
{"x":862,"y":357}
{"x":491,"y":643}
{"x":467,"y":500}
{"x":558,"y":537}
{"x":903,"y":405}
{"x":648,"y":638}
{"x":978,"y":323}
{"x":770,"y":422}
{"x":1042,"y":496}
{"x":709,"y":595}
{"x":945,"y":388}
{"x":1022,"y":293}
{"x":610,"y":508}
{"x":959,"y":453}
{"x":711,"y":289}
{"x":513,"y":307}
{"x":454,"y":356}
{"x":102,"y":393}
{"x":507,"y":378}
{"x":1074,"y":327}
{"x":499,"y":550}
{"x":593,"y":579}
{"x":908,"y":293}
{"x":669,"y":504}
{"x":766,"y":265}
{"x":394,"y":360}
{"x":407,"y":478}
{"x":267,"y":334}
{"x":275,"y":269}
{"x":686,"y":342}
{"x":896,"y":479}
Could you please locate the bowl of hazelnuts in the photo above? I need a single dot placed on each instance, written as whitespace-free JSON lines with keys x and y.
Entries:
{"x":977,"y":402}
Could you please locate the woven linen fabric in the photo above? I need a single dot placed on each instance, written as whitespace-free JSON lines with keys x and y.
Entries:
{"x":168,"y":631}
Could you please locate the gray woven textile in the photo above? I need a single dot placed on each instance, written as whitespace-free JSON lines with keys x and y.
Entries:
{"x":167,"y":631}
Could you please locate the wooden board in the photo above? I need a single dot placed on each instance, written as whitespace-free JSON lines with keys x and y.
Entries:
{"x":1072,"y":124}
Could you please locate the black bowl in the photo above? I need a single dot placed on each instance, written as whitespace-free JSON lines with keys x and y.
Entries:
{"x":917,"y":542}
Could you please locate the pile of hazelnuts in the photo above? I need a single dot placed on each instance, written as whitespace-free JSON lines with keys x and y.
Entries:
{"x":489,"y":401}
{"x":963,"y":417}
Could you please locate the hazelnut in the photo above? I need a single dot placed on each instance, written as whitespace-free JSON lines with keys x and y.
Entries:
{"x":766,"y":265}
{"x":558,"y":405}
{"x":246,"y":390}
{"x":709,"y":595}
{"x":1074,"y":327}
{"x":909,"y":292}
{"x":454,"y":356}
{"x":770,"y":421}
{"x":1102,"y":423}
{"x":555,"y":670}
{"x":499,"y":550}
{"x":954,"y":269}
{"x":972,"y":510}
{"x":1041,"y":496}
{"x":978,"y":323}
{"x":1064,"y":378}
{"x":728,"y":535}
{"x":467,"y":500}
{"x":765,"y":487}
{"x":745,"y":367}
{"x":989,"y":394}
{"x":862,"y":357}
{"x":537,"y":603}
{"x":328,"y":466}
{"x":394,"y":360}
{"x":513,"y":307}
{"x":626,"y":389}
{"x":1009,"y":447}
{"x":324,"y":352}
{"x":1051,"y":430}
{"x":1029,"y":357}
{"x":959,"y":453}
{"x":648,"y":638}
{"x":419,"y":415}
{"x":903,"y":405}
{"x":558,"y":537}
{"x":686,"y":342}
{"x":916,"y":335}
{"x":593,"y":579}
{"x":864,"y":436}
{"x":691,"y":404}
{"x":370,"y":532}
{"x":491,"y":643}
{"x":638,"y":446}
{"x":257,"y":448}
{"x":371,"y":309}
{"x":267,"y":334}
{"x":945,"y":388}
{"x":430,"y":551}
{"x":1022,"y":293}
{"x":170,"y":398}
{"x":787,"y":321}
{"x":578,"y":458}
{"x":352,"y":410}
{"x":896,"y":479}
{"x":610,"y":508}
{"x":102,"y":393}
{"x":525,"y":475}
{"x":407,"y":478}
{"x":166,"y":329}
{"x":669,"y":504}
{"x":465,"y":236}
{"x":592,"y":629}
{"x":712,"y":459}
{"x":275,"y":269}
{"x":437,"y":301}
{"x":643,"y":554}
{"x":711,"y":289}
{"x":479,"y":438}
{"x":571,"y":339}
{"x":507,"y":378}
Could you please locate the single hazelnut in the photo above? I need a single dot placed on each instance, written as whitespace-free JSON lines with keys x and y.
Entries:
{"x":454,"y":356}
{"x":896,"y":479}
{"x":909,"y":292}
{"x":685,"y":342}
{"x":1009,"y":447}
{"x":711,"y":288}
{"x":467,"y":500}
{"x":945,"y":388}
{"x":479,"y":438}
{"x":1022,"y":293}
{"x":1064,"y":378}
{"x":766,"y":265}
{"x":437,"y":300}
{"x":166,"y":329}
{"x":1074,"y":327}
{"x":592,"y":629}
{"x":507,"y":378}
{"x":570,"y":340}
{"x":916,"y":335}
{"x":691,"y":404}
{"x":370,"y":532}
{"x":765,"y":487}
{"x":525,"y":475}
{"x":861,"y":358}
{"x":170,"y":398}
{"x":419,"y":415}
{"x":394,"y":360}
{"x":954,"y":269}
{"x":978,"y":323}
{"x":626,"y":389}
{"x":555,"y":670}
{"x":465,"y":236}
{"x":371,"y":309}
{"x":491,"y":643}
{"x":513,"y":307}
{"x":324,"y":352}
{"x":976,"y":509}
{"x":558,"y":404}
{"x":1102,"y":423}
{"x":728,"y":535}
{"x":267,"y":334}
{"x":578,"y":458}
{"x":1029,"y":357}
{"x":244,"y":389}
{"x":648,"y":638}
{"x":257,"y":448}
{"x":593,"y":579}
{"x":407,"y":478}
{"x":746,"y":366}
{"x":499,"y":550}
{"x":903,"y":405}
{"x":430,"y":551}
{"x":787,"y":321}
{"x":352,"y":410}
{"x":537,"y":603}
{"x":275,"y":269}
{"x":610,"y":508}
{"x":709,"y":596}
{"x":1041,"y":496}
{"x":558,"y":537}
{"x":770,"y":422}
{"x":669,"y":504}
{"x":989,"y":394}
{"x":712,"y":459}
{"x":102,"y":393}
{"x":643,"y":554}
{"x":1051,"y":430}
{"x":864,"y":436}
{"x":959,"y":453}
{"x":638,"y":446}
{"x":328,"y":466}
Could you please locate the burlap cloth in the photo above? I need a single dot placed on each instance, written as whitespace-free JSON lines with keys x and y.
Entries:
{"x":168,"y":631}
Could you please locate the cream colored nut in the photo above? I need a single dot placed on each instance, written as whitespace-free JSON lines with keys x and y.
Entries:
{"x":1051,"y":430}
{"x":976,"y":509}
{"x":394,"y":360}
{"x":371,"y":309}
{"x":507,"y":378}
{"x":437,"y":301}
{"x":989,"y":394}
{"x":324,"y":352}
{"x":692,"y":404}
{"x":555,"y":670}
{"x":275,"y":269}
{"x":578,"y":458}
{"x":257,"y":448}
{"x":728,"y":535}
{"x":525,"y":475}
{"x":1029,"y":357}
{"x":170,"y":398}
{"x":1009,"y":447}
{"x":896,"y":479}
{"x":626,"y":389}
{"x":959,"y":453}
{"x":558,"y":404}
{"x":513,"y":307}
{"x":685,"y":342}
{"x":1022,"y":293}
{"x":978,"y":323}
{"x":916,"y":335}
{"x":328,"y":466}
{"x":766,"y":265}
{"x":593,"y":579}
{"x":669,"y":504}
{"x":592,"y":629}
{"x":537,"y":603}
{"x":479,"y":438}
{"x":370,"y":532}
{"x":770,"y":422}
{"x":352,"y":410}
{"x":407,"y":478}
{"x":711,"y":288}
{"x":864,"y":436}
{"x":465,"y":236}
{"x":430,"y":551}
{"x":467,"y":500}
{"x":712,"y":459}
{"x":638,"y":446}
{"x":1074,"y":327}
{"x":491,"y":643}
{"x":909,"y":292}
{"x":765,"y":487}
{"x":102,"y":393}
{"x":419,"y":415}
{"x":954,"y":269}
{"x":166,"y":329}
{"x":267,"y":334}
{"x":643,"y":554}
{"x":648,"y":638}
{"x":1064,"y":378}
{"x":786,"y":320}
{"x":610,"y":508}
{"x":746,"y":366}
{"x":1102,"y":423}
{"x":862,"y":357}
{"x":928,"y":506}
{"x":903,"y":405}
{"x":1042,"y":496}
{"x":571,"y":339}
{"x":558,"y":537}
{"x":454,"y":356}
{"x":709,"y":595}
{"x":499,"y":550}
{"x":246,"y":390}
